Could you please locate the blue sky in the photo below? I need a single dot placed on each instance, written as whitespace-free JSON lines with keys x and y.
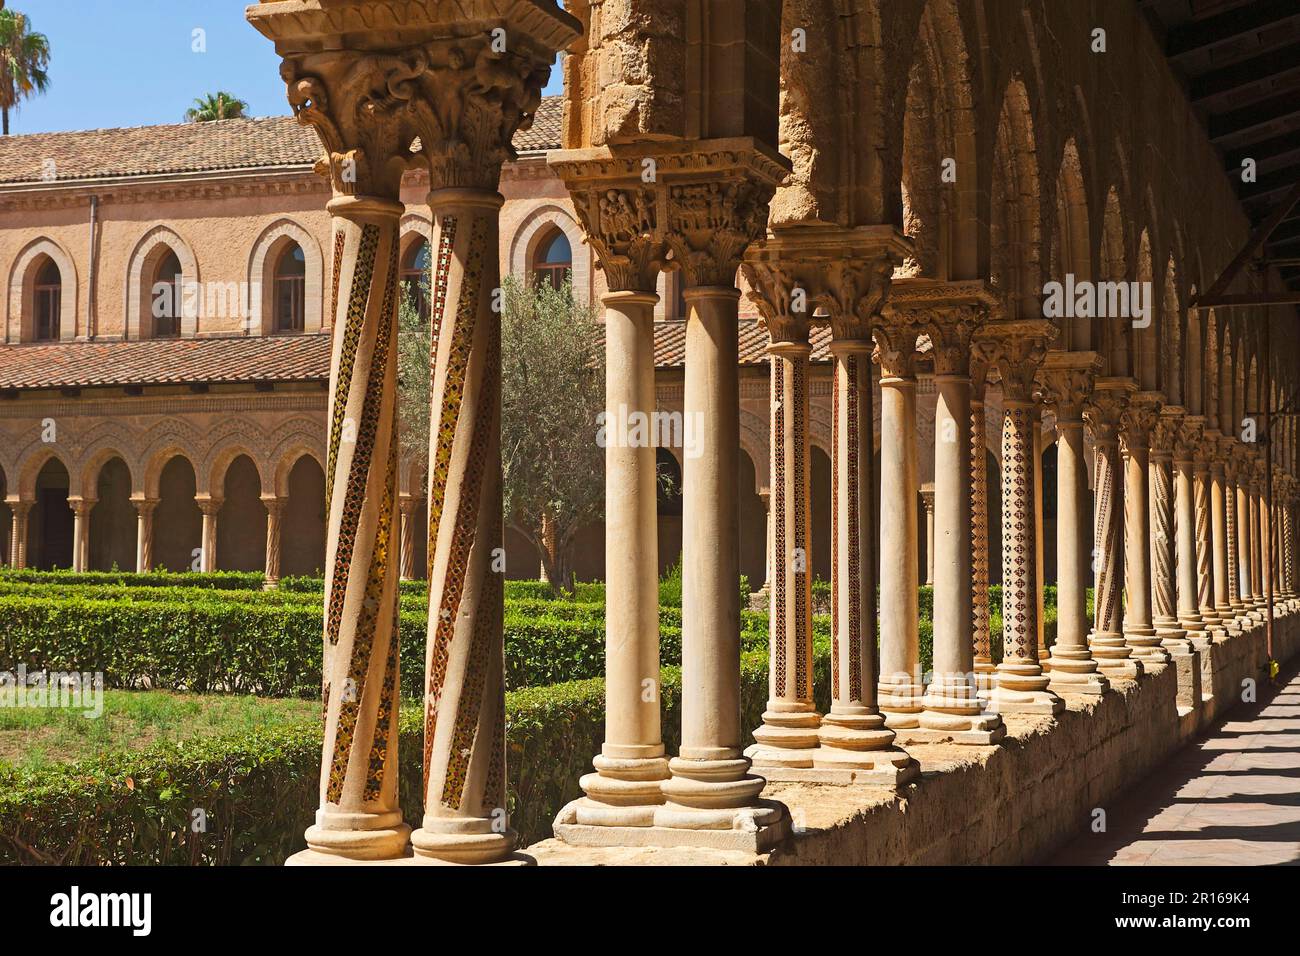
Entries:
{"x":131,"y":62}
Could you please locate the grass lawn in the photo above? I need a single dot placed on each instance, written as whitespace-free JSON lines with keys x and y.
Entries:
{"x":36,"y":737}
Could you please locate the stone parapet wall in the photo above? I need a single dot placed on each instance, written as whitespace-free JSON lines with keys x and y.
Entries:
{"x":1012,"y":804}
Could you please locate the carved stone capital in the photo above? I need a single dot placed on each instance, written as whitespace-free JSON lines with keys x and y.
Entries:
{"x":621,"y":225}
{"x":951,"y":315}
{"x":1105,"y":408}
{"x":1019,"y":348}
{"x":1165,"y":434}
{"x":818,"y":275}
{"x":1065,"y":382}
{"x":895,"y":350}
{"x":693,"y":205}
{"x":1188,"y":438}
{"x":1139,"y":420}
{"x":372,"y":79}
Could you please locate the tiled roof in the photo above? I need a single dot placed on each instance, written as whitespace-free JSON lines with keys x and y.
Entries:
{"x":670,"y":343}
{"x":265,"y":143}
{"x":282,"y":358}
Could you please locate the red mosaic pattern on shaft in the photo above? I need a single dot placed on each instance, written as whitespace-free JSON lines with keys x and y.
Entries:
{"x":1020,"y":606}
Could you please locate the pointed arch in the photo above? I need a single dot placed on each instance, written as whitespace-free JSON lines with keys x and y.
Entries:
{"x":1014,"y":220}
{"x":142,"y":274}
{"x":29,"y":264}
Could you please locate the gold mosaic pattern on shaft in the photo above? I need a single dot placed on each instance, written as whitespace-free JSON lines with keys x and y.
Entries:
{"x":487,"y":622}
{"x":354,"y":499}
{"x":854,"y":444}
{"x":836,"y":583}
{"x":780,"y":564}
{"x":803,"y":649}
{"x":362,"y":276}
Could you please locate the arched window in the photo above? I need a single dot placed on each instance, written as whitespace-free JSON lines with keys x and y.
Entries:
{"x":290,"y":288}
{"x":553,"y":260}
{"x":47,"y":299}
{"x":168,"y":288}
{"x":415,"y":277}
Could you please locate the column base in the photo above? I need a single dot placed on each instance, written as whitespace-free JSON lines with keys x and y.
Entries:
{"x":329,"y":846}
{"x":1023,"y":689}
{"x":787,"y":736}
{"x":1145,"y":643}
{"x":1174,"y":639}
{"x":900,"y":702}
{"x":985,"y":678}
{"x":624,"y":791}
{"x":754,"y":829}
{"x":1114,"y":658}
{"x":953,"y":711}
{"x":1075,"y":672}
{"x":465,"y":840}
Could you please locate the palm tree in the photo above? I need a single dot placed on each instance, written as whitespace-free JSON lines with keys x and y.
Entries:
{"x":215,"y":106}
{"x":24,"y":59}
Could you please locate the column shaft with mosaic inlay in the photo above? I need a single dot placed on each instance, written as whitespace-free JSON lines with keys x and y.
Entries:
{"x":372,"y":80}
{"x":1103,"y":414}
{"x":144,"y":509}
{"x":274,"y":523}
{"x":979,"y":483}
{"x":1066,"y":379}
{"x":1137,"y":423}
{"x":1245,"y":588}
{"x":1022,"y":687}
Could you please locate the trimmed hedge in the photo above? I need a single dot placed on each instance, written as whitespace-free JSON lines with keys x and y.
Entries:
{"x":259,"y":792}
{"x":216,"y":580}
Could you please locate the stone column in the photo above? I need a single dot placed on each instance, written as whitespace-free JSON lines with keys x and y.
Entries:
{"x":709,"y":224}
{"x":766,"y":498}
{"x":21,"y":508}
{"x":1253,"y":496}
{"x":1219,"y":492}
{"x":1040,"y":563}
{"x":1022,"y":687}
{"x":274,"y":516}
{"x":1066,"y":380}
{"x":1260,"y":510}
{"x":927,"y":502}
{"x":1189,"y":615}
{"x":211,"y":507}
{"x":81,"y":508}
{"x":953,"y":709}
{"x":900,"y":688}
{"x":1139,"y":634}
{"x":853,"y":735}
{"x":1201,"y":501}
{"x":1103,"y":413}
{"x":788,"y":733}
{"x":625,"y":788}
{"x":983,"y":660}
{"x":1245,"y":536}
{"x":144,"y":509}
{"x":1164,"y":583}
{"x":408,"y":505}
{"x":1233,"y":525}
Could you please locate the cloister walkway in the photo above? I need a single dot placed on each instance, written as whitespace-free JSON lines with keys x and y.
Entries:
{"x":1230,"y":798}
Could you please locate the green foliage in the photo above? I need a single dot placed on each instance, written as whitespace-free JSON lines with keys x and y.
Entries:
{"x":215,"y":106}
{"x":220,"y":580}
{"x":259,"y":791}
{"x":414,"y":342}
{"x":24,"y":62}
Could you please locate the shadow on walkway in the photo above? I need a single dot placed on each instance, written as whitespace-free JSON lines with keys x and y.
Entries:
{"x":1228,"y":798}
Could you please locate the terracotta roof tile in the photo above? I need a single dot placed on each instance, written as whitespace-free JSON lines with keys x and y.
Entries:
{"x":670,"y":343}
{"x":263,"y":143}
{"x":282,"y":358}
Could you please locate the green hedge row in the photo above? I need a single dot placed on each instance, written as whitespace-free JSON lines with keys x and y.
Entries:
{"x":258,"y":792}
{"x":216,"y":580}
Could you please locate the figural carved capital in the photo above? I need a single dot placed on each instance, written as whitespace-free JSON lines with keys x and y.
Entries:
{"x":621,"y":225}
{"x":950,"y":314}
{"x":1188,"y":438}
{"x":710,"y":224}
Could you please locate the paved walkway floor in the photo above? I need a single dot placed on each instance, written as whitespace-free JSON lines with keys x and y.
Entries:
{"x":1231,"y":798}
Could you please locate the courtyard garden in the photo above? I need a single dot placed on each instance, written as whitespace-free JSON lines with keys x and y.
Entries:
{"x":207,"y":750}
